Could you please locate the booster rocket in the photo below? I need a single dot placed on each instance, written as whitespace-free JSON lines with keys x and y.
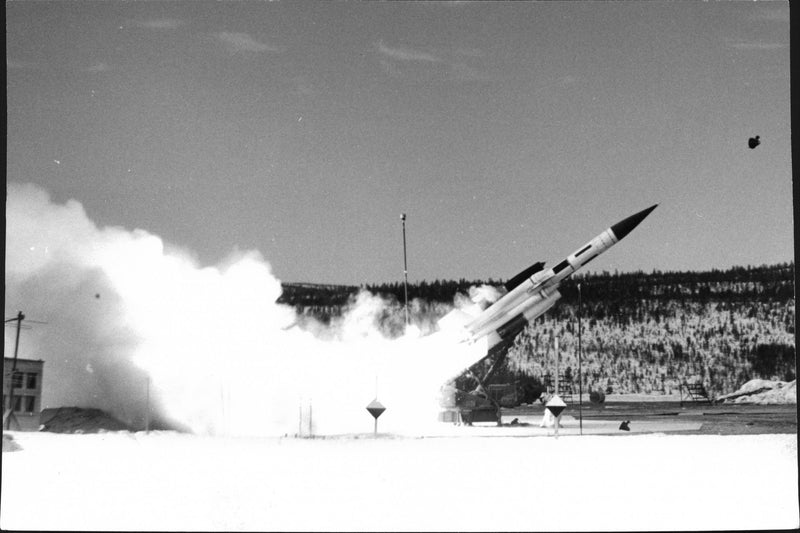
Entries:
{"x":535,"y":290}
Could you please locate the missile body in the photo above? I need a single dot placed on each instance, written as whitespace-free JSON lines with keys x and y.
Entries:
{"x":535,"y":290}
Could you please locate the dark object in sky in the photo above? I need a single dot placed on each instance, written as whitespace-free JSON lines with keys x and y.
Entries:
{"x":97,"y":295}
{"x":754,"y":141}
{"x":624,"y":426}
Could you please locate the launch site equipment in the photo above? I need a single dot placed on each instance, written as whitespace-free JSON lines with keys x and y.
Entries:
{"x":580,"y":379}
{"x":556,"y":405}
{"x":405,"y":268}
{"x":527,"y":296}
{"x":694,"y":392}
{"x":376,"y":409}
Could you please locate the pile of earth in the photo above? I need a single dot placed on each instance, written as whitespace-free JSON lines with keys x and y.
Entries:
{"x":9,"y":444}
{"x":763,"y":392}
{"x":79,"y":420}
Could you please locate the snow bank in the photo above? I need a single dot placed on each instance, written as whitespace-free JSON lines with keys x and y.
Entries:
{"x":168,"y":481}
{"x":763,"y":392}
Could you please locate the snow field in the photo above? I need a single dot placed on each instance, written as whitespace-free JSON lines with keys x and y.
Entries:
{"x":169,"y":481}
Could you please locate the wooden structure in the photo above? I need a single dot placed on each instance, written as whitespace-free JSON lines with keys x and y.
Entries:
{"x":694,"y":392}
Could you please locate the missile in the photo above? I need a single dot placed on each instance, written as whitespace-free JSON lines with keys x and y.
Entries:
{"x":535,"y":290}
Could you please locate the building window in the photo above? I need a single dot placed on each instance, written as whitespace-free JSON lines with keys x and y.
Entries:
{"x":17,"y":404}
{"x":30,"y":381}
{"x":30,"y":401}
{"x":16,"y":380}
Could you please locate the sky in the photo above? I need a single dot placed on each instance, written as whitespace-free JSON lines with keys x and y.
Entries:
{"x":508,"y":132}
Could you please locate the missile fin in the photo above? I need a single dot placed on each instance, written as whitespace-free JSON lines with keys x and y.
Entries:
{"x":522,"y":276}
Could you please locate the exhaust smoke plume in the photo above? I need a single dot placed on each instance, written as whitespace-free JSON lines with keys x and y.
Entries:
{"x":123,"y":309}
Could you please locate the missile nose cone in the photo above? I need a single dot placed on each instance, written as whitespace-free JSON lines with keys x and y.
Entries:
{"x":623,"y":227}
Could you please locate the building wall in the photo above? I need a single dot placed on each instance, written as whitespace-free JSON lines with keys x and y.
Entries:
{"x":27,"y":392}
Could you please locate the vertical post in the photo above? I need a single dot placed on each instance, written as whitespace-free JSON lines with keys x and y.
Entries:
{"x":222,"y":407}
{"x":310,"y":434}
{"x":555,"y":347}
{"x":300,"y":418}
{"x":580,"y":377}
{"x":375,"y":435}
{"x":20,"y":318}
{"x":405,"y":267}
{"x":147,"y":408}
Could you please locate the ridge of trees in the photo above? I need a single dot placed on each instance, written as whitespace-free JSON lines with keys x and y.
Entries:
{"x":765,"y":281}
{"x":640,"y":332}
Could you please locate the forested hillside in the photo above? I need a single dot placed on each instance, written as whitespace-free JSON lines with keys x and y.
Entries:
{"x":640,"y":332}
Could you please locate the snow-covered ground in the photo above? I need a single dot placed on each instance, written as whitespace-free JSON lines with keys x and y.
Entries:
{"x":170,"y":481}
{"x":764,"y":392}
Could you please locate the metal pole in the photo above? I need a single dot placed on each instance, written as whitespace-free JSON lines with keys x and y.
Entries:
{"x":222,"y":407}
{"x":147,"y":411}
{"x":555,"y":347}
{"x":405,"y":266}
{"x":580,"y":378}
{"x":556,"y":426}
{"x":20,"y":318}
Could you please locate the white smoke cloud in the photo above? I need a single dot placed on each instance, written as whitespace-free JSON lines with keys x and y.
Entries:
{"x":219,"y":353}
{"x":484,"y":295}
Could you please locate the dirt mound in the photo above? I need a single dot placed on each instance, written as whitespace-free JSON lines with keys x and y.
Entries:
{"x":79,"y":420}
{"x":9,"y":444}
{"x":763,"y":392}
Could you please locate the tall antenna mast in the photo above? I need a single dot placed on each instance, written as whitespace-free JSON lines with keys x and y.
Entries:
{"x":405,"y":267}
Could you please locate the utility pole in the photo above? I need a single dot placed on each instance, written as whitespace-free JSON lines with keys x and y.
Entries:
{"x":19,"y":318}
{"x":9,"y":414}
{"x":405,"y":266}
{"x":580,"y":377}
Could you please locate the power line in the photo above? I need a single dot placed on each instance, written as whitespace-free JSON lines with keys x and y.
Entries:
{"x":7,"y":416}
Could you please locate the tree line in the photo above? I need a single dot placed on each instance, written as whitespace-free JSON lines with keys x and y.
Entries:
{"x":640,"y":332}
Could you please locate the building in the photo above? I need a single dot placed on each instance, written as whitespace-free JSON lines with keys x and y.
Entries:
{"x":27,"y":397}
